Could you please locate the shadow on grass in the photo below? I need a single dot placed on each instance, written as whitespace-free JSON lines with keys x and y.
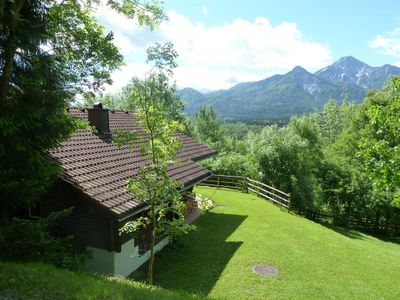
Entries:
{"x":350,"y":233}
{"x":362,"y":234}
{"x":196,"y":261}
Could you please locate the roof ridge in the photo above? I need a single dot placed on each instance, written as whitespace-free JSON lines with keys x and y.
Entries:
{"x":83,"y":108}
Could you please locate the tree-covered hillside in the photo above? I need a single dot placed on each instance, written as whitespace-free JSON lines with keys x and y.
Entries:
{"x":297,"y":92}
{"x":341,"y":162}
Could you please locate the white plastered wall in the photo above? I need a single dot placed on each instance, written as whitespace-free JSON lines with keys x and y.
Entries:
{"x":120,"y":263}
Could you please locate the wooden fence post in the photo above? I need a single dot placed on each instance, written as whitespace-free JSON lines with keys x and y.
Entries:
{"x":247,"y":185}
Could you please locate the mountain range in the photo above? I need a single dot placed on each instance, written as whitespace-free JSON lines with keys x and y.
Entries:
{"x":296,"y":92}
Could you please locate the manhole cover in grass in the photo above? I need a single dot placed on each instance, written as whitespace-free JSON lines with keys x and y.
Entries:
{"x":220,"y":205}
{"x":265,"y":270}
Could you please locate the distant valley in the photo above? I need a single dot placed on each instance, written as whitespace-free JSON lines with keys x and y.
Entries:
{"x":296,"y":92}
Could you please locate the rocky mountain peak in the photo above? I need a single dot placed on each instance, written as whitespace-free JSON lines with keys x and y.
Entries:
{"x":299,"y":69}
{"x":295,"y":92}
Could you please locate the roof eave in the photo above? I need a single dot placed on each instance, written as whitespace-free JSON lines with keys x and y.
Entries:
{"x":146,"y":206}
{"x":205,"y":156}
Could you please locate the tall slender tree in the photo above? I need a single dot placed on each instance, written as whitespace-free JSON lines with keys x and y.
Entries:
{"x":157,"y":109}
{"x":207,"y":127}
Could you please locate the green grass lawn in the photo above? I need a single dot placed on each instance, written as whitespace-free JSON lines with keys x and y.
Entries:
{"x":37,"y":281}
{"x":314,"y":262}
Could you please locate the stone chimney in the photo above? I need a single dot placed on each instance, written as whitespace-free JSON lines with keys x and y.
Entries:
{"x":98,"y":116}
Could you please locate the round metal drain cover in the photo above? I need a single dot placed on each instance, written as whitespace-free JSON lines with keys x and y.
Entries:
{"x":265,"y":270}
{"x":221,"y":206}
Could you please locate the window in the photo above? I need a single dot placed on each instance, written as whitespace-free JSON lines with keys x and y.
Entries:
{"x":34,"y":211}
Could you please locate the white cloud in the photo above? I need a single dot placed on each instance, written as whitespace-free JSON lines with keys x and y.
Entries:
{"x":219,"y":56}
{"x":204,"y":9}
{"x":388,"y":44}
{"x":122,"y":76}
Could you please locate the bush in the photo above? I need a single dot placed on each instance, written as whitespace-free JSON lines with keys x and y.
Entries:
{"x":235,"y":164}
{"x":31,"y":240}
{"x":205,"y":204}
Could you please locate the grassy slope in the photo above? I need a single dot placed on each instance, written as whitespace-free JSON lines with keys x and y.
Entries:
{"x":37,"y":281}
{"x":313,"y":261}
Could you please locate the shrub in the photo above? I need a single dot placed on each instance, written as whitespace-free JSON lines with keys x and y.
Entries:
{"x":235,"y":164}
{"x":31,"y":240}
{"x":205,"y":204}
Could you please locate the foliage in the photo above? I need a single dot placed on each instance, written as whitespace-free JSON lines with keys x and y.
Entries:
{"x":288,"y":158}
{"x":207,"y":127}
{"x":333,"y":119}
{"x":381,"y":148}
{"x":49,"y":52}
{"x":39,"y":281}
{"x":108,"y":100}
{"x":31,"y":240}
{"x":66,"y":33}
{"x":164,"y":57}
{"x":156,"y":109}
{"x":235,"y":164}
{"x":233,"y":158}
{"x":205,"y":204}
{"x":239,"y":130}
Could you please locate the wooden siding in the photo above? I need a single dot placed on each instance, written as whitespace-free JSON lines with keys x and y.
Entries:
{"x":89,"y":225}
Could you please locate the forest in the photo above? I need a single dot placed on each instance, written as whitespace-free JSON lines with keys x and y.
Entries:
{"x":338,"y":164}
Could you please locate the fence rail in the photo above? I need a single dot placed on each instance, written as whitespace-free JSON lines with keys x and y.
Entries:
{"x":283,"y":199}
{"x":358,"y":223}
{"x":249,"y":185}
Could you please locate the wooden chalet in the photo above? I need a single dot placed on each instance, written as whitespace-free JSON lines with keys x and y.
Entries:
{"x":93,"y":180}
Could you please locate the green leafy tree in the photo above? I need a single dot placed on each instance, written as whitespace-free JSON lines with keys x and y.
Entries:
{"x":49,"y":52}
{"x":207,"y":127}
{"x":348,"y":189}
{"x":380,"y":149}
{"x":235,"y":164}
{"x":108,"y":100}
{"x":339,"y":173}
{"x":156,"y":107}
{"x":333,"y":119}
{"x":288,"y":158}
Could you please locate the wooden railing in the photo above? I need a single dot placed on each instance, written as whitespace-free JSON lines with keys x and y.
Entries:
{"x":249,"y":185}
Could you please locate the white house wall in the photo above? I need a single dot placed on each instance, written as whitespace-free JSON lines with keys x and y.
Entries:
{"x":101,"y":261}
{"x":120,"y":263}
{"x":128,"y":260}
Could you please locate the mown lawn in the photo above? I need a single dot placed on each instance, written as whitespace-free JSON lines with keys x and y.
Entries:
{"x":314,"y":262}
{"x":38,"y":281}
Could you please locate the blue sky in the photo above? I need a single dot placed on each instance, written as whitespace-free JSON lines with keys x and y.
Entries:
{"x":347,"y":26}
{"x":222,"y":43}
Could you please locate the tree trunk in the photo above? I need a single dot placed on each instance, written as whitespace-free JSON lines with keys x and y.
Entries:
{"x":377,"y":217}
{"x":152,"y":243}
{"x":11,"y":48}
{"x":6,"y":74}
{"x":348,"y":212}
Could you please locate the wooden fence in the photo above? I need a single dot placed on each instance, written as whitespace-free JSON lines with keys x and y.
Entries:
{"x":370,"y":225}
{"x":249,"y":185}
{"x":283,"y":199}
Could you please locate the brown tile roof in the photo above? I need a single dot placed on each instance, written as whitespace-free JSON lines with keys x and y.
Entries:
{"x":99,"y":169}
